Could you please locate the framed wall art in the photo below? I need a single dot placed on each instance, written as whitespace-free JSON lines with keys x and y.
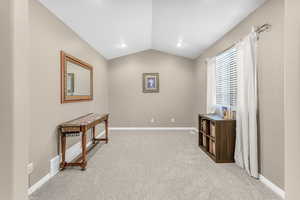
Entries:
{"x":150,"y":82}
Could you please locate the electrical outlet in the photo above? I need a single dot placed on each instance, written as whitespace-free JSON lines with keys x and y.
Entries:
{"x":152,"y":120}
{"x":30,"y":168}
{"x":173,"y":120}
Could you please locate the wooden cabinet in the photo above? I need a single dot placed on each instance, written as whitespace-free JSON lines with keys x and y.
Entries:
{"x":217,"y":137}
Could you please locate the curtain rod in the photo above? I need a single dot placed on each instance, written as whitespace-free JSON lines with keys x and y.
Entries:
{"x":263,"y":28}
{"x":258,"y":30}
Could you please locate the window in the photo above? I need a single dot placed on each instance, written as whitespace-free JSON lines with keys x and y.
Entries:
{"x":226,"y":78}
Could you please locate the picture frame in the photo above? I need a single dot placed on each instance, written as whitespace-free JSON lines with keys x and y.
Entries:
{"x":151,"y":82}
{"x":71,"y":82}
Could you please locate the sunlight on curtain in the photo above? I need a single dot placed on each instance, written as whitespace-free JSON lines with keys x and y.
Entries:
{"x":211,"y":85}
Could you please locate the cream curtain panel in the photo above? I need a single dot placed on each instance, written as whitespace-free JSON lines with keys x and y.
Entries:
{"x":211,"y":85}
{"x":246,"y":150}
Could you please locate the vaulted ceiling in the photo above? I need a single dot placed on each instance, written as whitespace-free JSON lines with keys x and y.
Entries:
{"x":181,"y":27}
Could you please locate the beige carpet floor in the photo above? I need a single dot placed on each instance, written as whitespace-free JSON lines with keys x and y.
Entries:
{"x":153,"y":165}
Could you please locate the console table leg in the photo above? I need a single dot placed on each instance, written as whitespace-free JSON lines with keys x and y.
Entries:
{"x":63,"y":151}
{"x":94,"y":135}
{"x":84,"y":152}
{"x":106,"y":131}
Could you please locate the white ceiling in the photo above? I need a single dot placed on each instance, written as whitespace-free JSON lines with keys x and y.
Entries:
{"x":181,"y":27}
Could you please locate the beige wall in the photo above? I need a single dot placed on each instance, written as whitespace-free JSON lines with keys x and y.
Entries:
{"x":48,"y":36}
{"x":292,"y":99}
{"x":130,"y":107}
{"x":14,"y":102}
{"x":270,"y":80}
{"x":6,"y":106}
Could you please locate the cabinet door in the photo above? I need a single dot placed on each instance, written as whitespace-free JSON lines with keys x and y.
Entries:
{"x":225,"y":141}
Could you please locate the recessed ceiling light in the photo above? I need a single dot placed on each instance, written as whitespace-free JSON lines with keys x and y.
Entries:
{"x":123,"y":45}
{"x":179,"y":43}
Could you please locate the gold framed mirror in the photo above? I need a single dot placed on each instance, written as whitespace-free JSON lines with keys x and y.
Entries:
{"x":76,"y":79}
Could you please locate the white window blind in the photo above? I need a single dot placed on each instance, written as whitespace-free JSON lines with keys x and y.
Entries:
{"x":226,"y":78}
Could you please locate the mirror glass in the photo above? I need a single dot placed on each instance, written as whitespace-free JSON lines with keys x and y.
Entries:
{"x":78,"y":80}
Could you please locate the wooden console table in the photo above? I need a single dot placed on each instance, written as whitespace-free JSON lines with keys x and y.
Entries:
{"x":77,"y":126}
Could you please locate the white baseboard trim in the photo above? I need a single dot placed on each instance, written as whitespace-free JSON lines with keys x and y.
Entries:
{"x":39,"y":184}
{"x":195,"y":130}
{"x":54,"y":165}
{"x":154,"y":128}
{"x":280,"y":192}
{"x":71,"y":153}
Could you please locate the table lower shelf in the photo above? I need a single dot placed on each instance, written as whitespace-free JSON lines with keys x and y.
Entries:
{"x":78,"y":160}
